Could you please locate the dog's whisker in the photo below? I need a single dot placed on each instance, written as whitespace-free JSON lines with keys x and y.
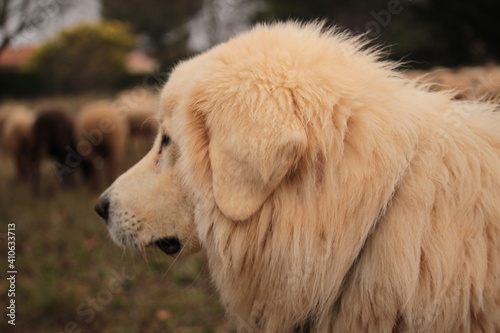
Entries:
{"x":124,"y":251}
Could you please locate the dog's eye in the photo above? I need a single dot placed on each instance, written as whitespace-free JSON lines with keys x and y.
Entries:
{"x":165,"y":141}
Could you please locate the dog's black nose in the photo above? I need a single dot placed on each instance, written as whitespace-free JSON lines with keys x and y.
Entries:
{"x":102,"y":207}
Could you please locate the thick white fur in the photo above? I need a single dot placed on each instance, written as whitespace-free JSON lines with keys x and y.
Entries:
{"x":330,"y":194}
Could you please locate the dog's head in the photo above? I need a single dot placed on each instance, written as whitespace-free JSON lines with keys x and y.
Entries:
{"x":234,"y":127}
{"x":150,"y":204}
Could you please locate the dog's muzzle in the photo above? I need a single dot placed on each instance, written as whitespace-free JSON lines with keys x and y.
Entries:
{"x":169,"y":245}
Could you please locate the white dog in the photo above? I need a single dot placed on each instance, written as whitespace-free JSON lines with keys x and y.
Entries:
{"x":330,"y":194}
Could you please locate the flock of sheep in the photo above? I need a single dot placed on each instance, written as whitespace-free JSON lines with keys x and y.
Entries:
{"x":467,"y":83}
{"x":91,"y":143}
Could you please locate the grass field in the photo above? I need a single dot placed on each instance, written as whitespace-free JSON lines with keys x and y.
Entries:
{"x":72,"y":278}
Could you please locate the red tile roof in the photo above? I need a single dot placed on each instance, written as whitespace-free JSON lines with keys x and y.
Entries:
{"x":15,"y":57}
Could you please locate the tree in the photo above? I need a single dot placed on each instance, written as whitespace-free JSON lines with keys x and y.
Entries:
{"x":351,"y":14}
{"x":83,"y":58}
{"x":19,"y":18}
{"x":427,"y":32}
{"x":162,"y":22}
{"x":468,"y":30}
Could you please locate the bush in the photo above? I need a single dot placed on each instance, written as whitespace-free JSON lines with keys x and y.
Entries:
{"x":19,"y":84}
{"x":84,"y":58}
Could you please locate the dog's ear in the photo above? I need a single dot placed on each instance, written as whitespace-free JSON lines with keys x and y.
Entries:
{"x":250,"y":154}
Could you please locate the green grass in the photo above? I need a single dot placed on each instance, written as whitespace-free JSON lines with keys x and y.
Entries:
{"x":72,"y":278}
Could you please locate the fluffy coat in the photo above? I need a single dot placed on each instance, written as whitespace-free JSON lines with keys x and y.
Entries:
{"x":383,"y":215}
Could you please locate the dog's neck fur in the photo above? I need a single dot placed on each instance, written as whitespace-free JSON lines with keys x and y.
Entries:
{"x":275,"y":226}
{"x":355,"y":262}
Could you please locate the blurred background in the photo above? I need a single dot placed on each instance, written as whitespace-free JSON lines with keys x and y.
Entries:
{"x":79,"y":84}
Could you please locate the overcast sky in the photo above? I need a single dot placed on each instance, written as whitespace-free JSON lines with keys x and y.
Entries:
{"x":216,"y":22}
{"x":52,"y":20}
{"x":219,"y":20}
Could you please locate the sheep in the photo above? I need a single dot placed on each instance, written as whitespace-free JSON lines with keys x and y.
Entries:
{"x":53,"y":137}
{"x":487,"y":83}
{"x":470,"y":83}
{"x":5,"y":111}
{"x":138,"y":106}
{"x":100,"y":135}
{"x":17,"y":139}
{"x":448,"y":79}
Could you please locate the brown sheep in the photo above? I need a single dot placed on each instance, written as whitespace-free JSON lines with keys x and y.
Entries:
{"x":53,"y":137}
{"x":448,"y":79}
{"x":488,"y":83}
{"x":468,"y":83}
{"x":100,"y":135}
{"x":5,"y":111}
{"x":17,"y":139}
